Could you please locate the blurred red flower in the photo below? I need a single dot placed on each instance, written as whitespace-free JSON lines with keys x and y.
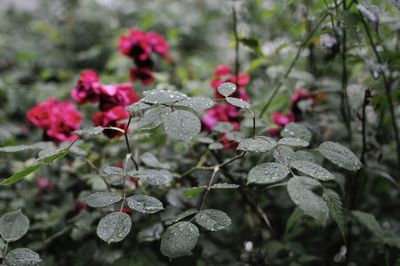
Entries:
{"x":87,"y":89}
{"x":111,"y":118}
{"x":58,"y":119}
{"x":117,"y":95}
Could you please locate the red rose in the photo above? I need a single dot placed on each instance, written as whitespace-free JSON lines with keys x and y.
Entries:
{"x":135,"y":44}
{"x":111,"y":118}
{"x":87,"y":88}
{"x":158,"y":43}
{"x":58,"y":119}
{"x":117,"y":95}
{"x":280,"y":119}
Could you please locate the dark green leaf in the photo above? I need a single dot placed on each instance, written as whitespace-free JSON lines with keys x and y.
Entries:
{"x":114,"y":227}
{"x":213,"y":220}
{"x":182,"y":125}
{"x":102,"y":199}
{"x":267,"y":173}
{"x":179,"y":239}
{"x":13,"y":225}
{"x":22,"y":257}
{"x":144,"y":204}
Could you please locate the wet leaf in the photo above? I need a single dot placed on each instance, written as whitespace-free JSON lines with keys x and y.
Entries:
{"x":238,"y":102}
{"x":153,"y":177}
{"x":339,"y":155}
{"x":213,"y":220}
{"x":293,"y":142}
{"x":182,"y":216}
{"x":294,"y":130}
{"x":89,"y":131}
{"x":267,"y":173}
{"x":13,"y":225}
{"x":144,"y":204}
{"x":182,"y":125}
{"x":154,"y":117}
{"x":335,"y":209}
{"x":179,"y":239}
{"x":198,"y":104}
{"x":257,"y":144}
{"x":224,"y":186}
{"x":312,"y":169}
{"x":226,"y":88}
{"x":161,"y":96}
{"x":114,"y":227}
{"x":300,"y":191}
{"x":22,"y":257}
{"x":102,"y":199}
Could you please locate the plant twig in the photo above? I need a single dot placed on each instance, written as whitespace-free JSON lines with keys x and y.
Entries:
{"x":292,"y":64}
{"x":127,"y":143}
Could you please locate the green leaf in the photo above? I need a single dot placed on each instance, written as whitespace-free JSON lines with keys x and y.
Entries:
{"x":369,"y":221}
{"x":296,"y":215}
{"x":144,"y":204}
{"x":48,"y":156}
{"x":21,"y":174}
{"x":213,"y":220}
{"x":238,"y":102}
{"x":138,"y":106}
{"x":161,"y":96}
{"x":182,"y":125}
{"x":284,"y":155}
{"x":194,"y":191}
{"x":113,"y":170}
{"x":149,"y":159}
{"x":293,"y":142}
{"x":114,"y":227}
{"x":154,"y":117}
{"x":340,"y":155}
{"x":182,"y":216}
{"x":153,"y":177}
{"x":226,"y":88}
{"x":22,"y":257}
{"x":102,"y":199}
{"x":312,"y":169}
{"x":179,"y":239}
{"x":300,"y":191}
{"x":224,"y":186}
{"x":304,"y":156}
{"x":89,"y":131}
{"x":198,"y":104}
{"x":335,"y":209}
{"x":294,"y":130}
{"x":257,"y":144}
{"x":267,"y":173}
{"x":13,"y":225}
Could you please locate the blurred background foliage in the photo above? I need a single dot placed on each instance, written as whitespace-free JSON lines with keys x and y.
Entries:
{"x":45,"y":44}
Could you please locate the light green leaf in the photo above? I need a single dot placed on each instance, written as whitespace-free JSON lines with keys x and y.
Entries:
{"x":238,"y":102}
{"x":369,"y":221}
{"x":300,"y":191}
{"x":21,"y":174}
{"x":102,"y":199}
{"x":22,"y":257}
{"x":213,"y":220}
{"x":335,"y":208}
{"x":257,"y":144}
{"x":194,"y":191}
{"x":114,"y":227}
{"x":179,"y":239}
{"x":267,"y":173}
{"x":226,"y":88}
{"x":13,"y":225}
{"x":154,"y":117}
{"x":161,"y":96}
{"x":48,"y":156}
{"x":294,"y":130}
{"x":312,"y":169}
{"x":182,"y":125}
{"x":293,"y":142}
{"x":153,"y":177}
{"x":89,"y":131}
{"x":144,"y":204}
{"x":198,"y":104}
{"x":340,"y":155}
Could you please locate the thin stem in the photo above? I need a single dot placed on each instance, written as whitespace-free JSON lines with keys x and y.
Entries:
{"x":292,"y":64}
{"x":387,"y":86}
{"x":127,"y":143}
{"x":127,"y":157}
{"x":236,"y":36}
{"x":344,"y":100}
{"x":363,"y":126}
{"x":208,"y":188}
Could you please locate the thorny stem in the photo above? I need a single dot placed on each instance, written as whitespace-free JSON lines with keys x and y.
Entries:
{"x":299,"y":51}
{"x":387,"y":86}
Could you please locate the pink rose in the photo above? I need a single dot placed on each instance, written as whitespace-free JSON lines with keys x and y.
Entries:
{"x":87,"y":88}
